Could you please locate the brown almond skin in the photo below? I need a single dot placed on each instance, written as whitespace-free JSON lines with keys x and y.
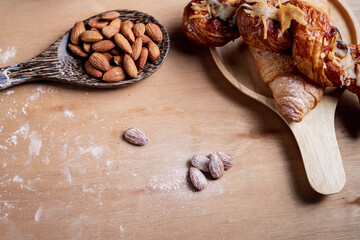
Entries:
{"x":76,"y":31}
{"x":103,"y":46}
{"x":110,"y":15}
{"x":91,"y":36}
{"x":216,"y":166}
{"x":115,"y":74}
{"x":78,"y":51}
{"x":110,"y":31}
{"x":126,"y":30}
{"x":97,"y":23}
{"x":108,"y":56}
{"x":99,"y":61}
{"x":197,"y":178}
{"x":139,"y":29}
{"x":116,"y":51}
{"x":118,"y":60}
{"x":226,"y":159}
{"x":87,"y":47}
{"x":140,"y":63}
{"x":92,"y":71}
{"x":200,"y":162}
{"x":154,"y":51}
{"x":115,"y":23}
{"x":154,"y":32}
{"x":136,"y":137}
{"x":123,"y":43}
{"x":136,"y":49}
{"x":145,"y":39}
{"x":129,"y":66}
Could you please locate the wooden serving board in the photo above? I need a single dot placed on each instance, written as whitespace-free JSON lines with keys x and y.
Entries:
{"x":66,"y":172}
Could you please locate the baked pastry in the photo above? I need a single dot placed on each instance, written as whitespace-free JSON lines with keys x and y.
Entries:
{"x":210,"y":23}
{"x":293,"y":93}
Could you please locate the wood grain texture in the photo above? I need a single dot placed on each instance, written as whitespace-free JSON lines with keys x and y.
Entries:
{"x":85,"y":182}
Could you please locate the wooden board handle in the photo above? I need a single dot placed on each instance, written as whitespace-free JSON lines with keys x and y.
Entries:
{"x":319,"y":148}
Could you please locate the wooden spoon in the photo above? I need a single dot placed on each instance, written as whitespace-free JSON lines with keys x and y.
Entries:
{"x":315,"y":135}
{"x":57,"y":63}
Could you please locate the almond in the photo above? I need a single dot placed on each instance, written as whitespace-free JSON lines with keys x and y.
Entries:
{"x":110,"y":31}
{"x":154,"y":51}
{"x":76,"y":31}
{"x":91,"y":36}
{"x":139,"y":29}
{"x":216,"y":166}
{"x":87,"y":47}
{"x":140,"y":63}
{"x":200,"y":162}
{"x":129,"y":66}
{"x":115,"y":23}
{"x":103,"y":46}
{"x":99,"y":61}
{"x":136,"y":137}
{"x":136,"y":49}
{"x":116,"y":51}
{"x":110,"y":15}
{"x":226,"y":159}
{"x":78,"y":51}
{"x":145,"y":39}
{"x":97,"y":23}
{"x":122,"y":43}
{"x":197,"y":179}
{"x":126,"y":30}
{"x":154,"y":32}
{"x":92,"y":71}
{"x":118,"y":60}
{"x":115,"y":74}
{"x":108,"y":56}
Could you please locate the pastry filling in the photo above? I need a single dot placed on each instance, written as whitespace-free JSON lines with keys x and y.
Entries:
{"x":224,"y":10}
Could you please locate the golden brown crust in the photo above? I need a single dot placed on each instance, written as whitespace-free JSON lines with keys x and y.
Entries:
{"x":292,"y":92}
{"x":211,"y":32}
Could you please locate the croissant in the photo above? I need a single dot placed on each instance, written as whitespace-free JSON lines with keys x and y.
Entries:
{"x":210,"y":22}
{"x":294,"y":95}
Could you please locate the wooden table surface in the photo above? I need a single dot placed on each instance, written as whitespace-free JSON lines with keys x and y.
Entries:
{"x":66,"y":172}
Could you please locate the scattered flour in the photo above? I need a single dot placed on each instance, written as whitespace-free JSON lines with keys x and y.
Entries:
{"x":38,"y":214}
{"x":68,"y":114}
{"x":35,"y":143}
{"x":6,"y":55}
{"x":122,"y":229}
{"x":94,"y":150}
{"x":9,"y":92}
{"x":17,"y":179}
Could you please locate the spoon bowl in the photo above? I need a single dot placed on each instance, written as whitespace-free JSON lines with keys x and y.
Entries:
{"x":58,"y":64}
{"x":315,"y":134}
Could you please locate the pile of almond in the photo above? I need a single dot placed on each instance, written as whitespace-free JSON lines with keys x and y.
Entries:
{"x":215,"y":163}
{"x":114,"y":49}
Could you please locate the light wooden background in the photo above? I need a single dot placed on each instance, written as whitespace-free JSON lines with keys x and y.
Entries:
{"x":66,"y":173}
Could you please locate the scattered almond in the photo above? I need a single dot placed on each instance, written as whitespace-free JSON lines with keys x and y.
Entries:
{"x":103,"y":46}
{"x":122,"y":43}
{"x":109,"y":31}
{"x":197,"y":179}
{"x":129,"y":66}
{"x":110,"y":15}
{"x":136,"y":137}
{"x":216,"y":166}
{"x":126,"y":30}
{"x":77,"y":50}
{"x":140,"y":63}
{"x":200,"y":162}
{"x":76,"y":31}
{"x":139,"y":29}
{"x":91,"y":36}
{"x":97,"y":23}
{"x":99,"y":61}
{"x":154,"y":51}
{"x":226,"y":159}
{"x":154,"y":32}
{"x":136,"y":49}
{"x":92,"y":71}
{"x":115,"y":74}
